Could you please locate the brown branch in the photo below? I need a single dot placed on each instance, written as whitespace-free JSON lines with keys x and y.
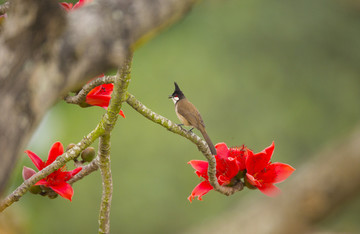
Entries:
{"x":80,"y":97}
{"x":86,"y":170}
{"x":202,"y":145}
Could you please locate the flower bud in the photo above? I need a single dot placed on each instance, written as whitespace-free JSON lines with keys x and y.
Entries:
{"x":88,"y":154}
{"x":35,"y":189}
{"x":27,"y":172}
{"x":247,"y":184}
{"x":70,"y":146}
{"x":52,"y":195}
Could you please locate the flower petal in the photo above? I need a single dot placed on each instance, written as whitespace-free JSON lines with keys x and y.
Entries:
{"x":257,"y":162}
{"x":27,"y":172}
{"x":56,"y":150}
{"x":102,"y":101}
{"x":269,"y":190}
{"x":35,"y":159}
{"x":66,"y":6}
{"x":251,"y":179}
{"x":122,"y":114}
{"x":240,"y":154}
{"x":42,"y":182}
{"x":70,"y":174}
{"x":270,"y":150}
{"x":200,"y":166}
{"x":63,"y":189}
{"x":227,"y":167}
{"x":200,"y":190}
{"x":94,"y":91}
{"x":222,"y":150}
{"x":282,"y":171}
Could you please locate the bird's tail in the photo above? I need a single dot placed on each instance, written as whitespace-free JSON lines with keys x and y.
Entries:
{"x":208,"y":141}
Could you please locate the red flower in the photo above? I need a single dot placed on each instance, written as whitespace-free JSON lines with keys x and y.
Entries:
{"x":100,"y":96}
{"x":263,"y":174}
{"x":56,"y":180}
{"x":69,"y":6}
{"x":229,"y":161}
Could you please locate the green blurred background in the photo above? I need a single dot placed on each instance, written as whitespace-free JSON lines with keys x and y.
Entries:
{"x":258,"y":71}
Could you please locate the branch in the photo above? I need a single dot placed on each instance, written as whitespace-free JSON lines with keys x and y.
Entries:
{"x":68,"y":50}
{"x":202,"y":146}
{"x":118,"y":96}
{"x":86,"y":170}
{"x":104,"y":156}
{"x":80,"y":97}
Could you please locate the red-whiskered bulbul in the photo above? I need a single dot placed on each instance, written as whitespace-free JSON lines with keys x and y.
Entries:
{"x":189,"y":115}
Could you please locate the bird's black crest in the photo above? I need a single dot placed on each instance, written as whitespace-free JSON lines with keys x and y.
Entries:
{"x":177,"y":91}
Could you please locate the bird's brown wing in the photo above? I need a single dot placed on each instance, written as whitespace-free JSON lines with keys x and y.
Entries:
{"x":192,"y":115}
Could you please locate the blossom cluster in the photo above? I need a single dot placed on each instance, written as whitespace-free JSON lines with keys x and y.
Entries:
{"x":240,"y":164}
{"x":56,"y":181}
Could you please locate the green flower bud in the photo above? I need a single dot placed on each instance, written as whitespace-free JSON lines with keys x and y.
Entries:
{"x":35,"y":189}
{"x":70,"y":146}
{"x":88,"y":154}
{"x":247,"y":184}
{"x":52,"y":195}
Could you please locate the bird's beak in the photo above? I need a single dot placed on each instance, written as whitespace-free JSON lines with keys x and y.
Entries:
{"x":170,"y":96}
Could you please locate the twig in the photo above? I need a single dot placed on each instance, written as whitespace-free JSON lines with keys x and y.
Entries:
{"x":86,"y":170}
{"x":202,"y":146}
{"x":81,"y":96}
{"x":107,"y":186}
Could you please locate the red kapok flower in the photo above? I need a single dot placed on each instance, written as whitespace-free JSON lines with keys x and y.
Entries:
{"x":229,"y":161}
{"x":56,"y":180}
{"x":100,"y":96}
{"x":263,"y":174}
{"x":69,"y":6}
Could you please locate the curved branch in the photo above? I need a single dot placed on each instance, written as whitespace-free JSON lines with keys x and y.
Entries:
{"x":80,"y":97}
{"x":202,"y":145}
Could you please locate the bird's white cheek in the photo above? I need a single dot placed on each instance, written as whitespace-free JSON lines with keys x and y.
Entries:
{"x":175,"y":99}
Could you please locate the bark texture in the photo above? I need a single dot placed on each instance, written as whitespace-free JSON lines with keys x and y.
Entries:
{"x":46,"y":52}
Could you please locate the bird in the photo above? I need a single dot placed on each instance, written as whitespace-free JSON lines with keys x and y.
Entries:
{"x":189,"y":115}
